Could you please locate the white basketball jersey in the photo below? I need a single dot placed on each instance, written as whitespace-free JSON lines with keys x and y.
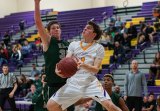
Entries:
{"x":87,"y":55}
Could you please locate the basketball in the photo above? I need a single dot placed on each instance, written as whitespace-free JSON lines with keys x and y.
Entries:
{"x":67,"y":66}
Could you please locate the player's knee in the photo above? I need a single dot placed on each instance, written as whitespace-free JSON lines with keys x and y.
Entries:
{"x":52,"y":105}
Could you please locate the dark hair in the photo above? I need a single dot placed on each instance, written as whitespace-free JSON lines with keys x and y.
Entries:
{"x":51,"y":23}
{"x":5,"y":65}
{"x":110,"y":76}
{"x":151,"y":93}
{"x":97,"y":30}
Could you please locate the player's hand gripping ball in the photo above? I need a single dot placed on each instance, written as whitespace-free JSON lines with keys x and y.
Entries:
{"x":67,"y":67}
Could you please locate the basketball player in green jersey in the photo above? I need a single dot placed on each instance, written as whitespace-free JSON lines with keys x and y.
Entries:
{"x":54,"y":49}
{"x":116,"y":99}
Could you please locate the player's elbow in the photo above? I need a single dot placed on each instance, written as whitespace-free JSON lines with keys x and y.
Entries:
{"x":96,"y":70}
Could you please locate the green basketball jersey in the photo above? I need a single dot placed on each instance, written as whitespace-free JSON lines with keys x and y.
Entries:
{"x":57,"y":50}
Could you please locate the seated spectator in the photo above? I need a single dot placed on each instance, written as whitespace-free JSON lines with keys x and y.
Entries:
{"x":43,"y":69}
{"x":30,"y":94}
{"x":26,"y":49}
{"x":38,"y":44}
{"x":106,"y":41}
{"x":41,"y":96}
{"x":141,"y":39}
{"x":154,"y":71}
{"x":6,"y":38}
{"x":151,"y":106}
{"x":132,"y":31}
{"x":118,"y":23}
{"x":85,"y":106}
{"x":3,"y":58}
{"x":123,"y":29}
{"x":118,"y":37}
{"x":150,"y":32}
{"x":37,"y":81}
{"x":158,"y":103}
{"x":24,"y":85}
{"x":126,"y":43}
{"x":112,"y":21}
{"x":22,"y":39}
{"x":116,"y":99}
{"x":118,"y":54}
{"x":117,"y":90}
{"x":144,"y":104}
{"x":16,"y":57}
{"x":34,"y":70}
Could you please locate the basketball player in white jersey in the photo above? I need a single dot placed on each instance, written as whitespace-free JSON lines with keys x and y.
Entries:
{"x":83,"y":84}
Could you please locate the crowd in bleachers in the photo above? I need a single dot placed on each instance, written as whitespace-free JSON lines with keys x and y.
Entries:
{"x":115,"y":37}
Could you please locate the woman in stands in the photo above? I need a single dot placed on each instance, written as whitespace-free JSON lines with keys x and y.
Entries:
{"x":155,"y":67}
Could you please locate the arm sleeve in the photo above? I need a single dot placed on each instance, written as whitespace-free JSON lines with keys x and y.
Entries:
{"x":144,"y":84}
{"x":14,"y":80}
{"x":20,"y":55}
{"x":100,"y":52}
{"x":125,"y":85}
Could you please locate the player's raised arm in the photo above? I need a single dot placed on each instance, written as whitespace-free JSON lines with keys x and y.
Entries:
{"x":45,"y":37}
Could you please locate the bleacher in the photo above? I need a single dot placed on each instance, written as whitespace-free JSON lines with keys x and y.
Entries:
{"x":72,"y":24}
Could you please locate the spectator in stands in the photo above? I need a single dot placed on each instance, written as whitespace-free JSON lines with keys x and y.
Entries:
{"x":43,"y":70}
{"x":34,"y":70}
{"x":158,"y":103}
{"x":140,"y":39}
{"x":118,"y":54}
{"x":144,"y":104}
{"x":118,"y":23}
{"x":132,"y":31}
{"x":26,"y":48}
{"x":37,"y":81}
{"x":123,"y":29}
{"x":41,"y":96}
{"x":9,"y":50}
{"x":106,"y":40}
{"x":154,"y":71}
{"x":118,"y":37}
{"x":24,"y":85}
{"x":22,"y":39}
{"x":117,"y":90}
{"x":21,"y":25}
{"x":3,"y":58}
{"x":157,"y":27}
{"x":6,"y":38}
{"x":30,"y":94}
{"x":151,"y":104}
{"x":16,"y":57}
{"x":116,"y":99}
{"x":87,"y":106}
{"x":38,"y":44}
{"x":112,"y":21}
{"x":126,"y":43}
{"x":8,"y":86}
{"x":134,"y":82}
{"x":150,"y":33}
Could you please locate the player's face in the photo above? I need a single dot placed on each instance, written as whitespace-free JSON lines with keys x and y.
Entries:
{"x":108,"y":82}
{"x":88,"y":32}
{"x":55,"y":31}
